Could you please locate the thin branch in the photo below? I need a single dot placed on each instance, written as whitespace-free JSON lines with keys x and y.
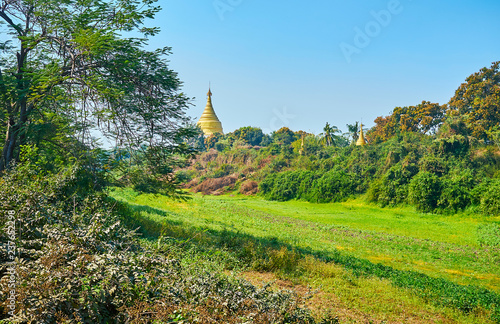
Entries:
{"x":11,"y":23}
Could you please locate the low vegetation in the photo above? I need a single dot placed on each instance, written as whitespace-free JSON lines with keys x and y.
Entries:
{"x":346,"y":250}
{"x":78,"y":261}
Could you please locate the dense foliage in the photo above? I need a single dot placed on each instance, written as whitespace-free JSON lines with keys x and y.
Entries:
{"x":77,"y":262}
{"x":332,"y":186}
{"x":66,"y":71}
{"x":478,"y":101}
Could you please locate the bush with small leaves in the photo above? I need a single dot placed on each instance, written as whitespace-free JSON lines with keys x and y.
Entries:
{"x":424,"y":191}
{"x":490,"y":198}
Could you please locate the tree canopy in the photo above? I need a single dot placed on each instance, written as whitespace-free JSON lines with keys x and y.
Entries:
{"x":284,"y":136}
{"x":423,"y":118}
{"x":67,"y":70}
{"x":329,"y":137}
{"x":478,"y":101}
{"x":250,"y":135}
{"x":476,"y":104}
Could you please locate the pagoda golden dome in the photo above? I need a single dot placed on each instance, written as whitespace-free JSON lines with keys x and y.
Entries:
{"x":208,"y":122}
{"x":361,"y":140}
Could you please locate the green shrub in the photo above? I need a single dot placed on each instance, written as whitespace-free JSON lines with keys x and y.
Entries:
{"x":374,"y":191}
{"x":267,"y":184}
{"x":273,"y":148}
{"x":456,"y":192}
{"x":285,"y":185}
{"x":278,"y":164}
{"x":185,"y":175}
{"x":333,"y":186}
{"x":393,"y":186}
{"x":424,"y":191}
{"x":490,"y":198}
{"x":455,"y":145}
{"x":308,"y":185}
{"x":219,"y":146}
{"x":433,"y":164}
{"x":223,"y":170}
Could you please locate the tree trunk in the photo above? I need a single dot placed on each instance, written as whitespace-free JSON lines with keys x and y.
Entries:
{"x":13,"y":128}
{"x":21,"y":131}
{"x":9,"y":145}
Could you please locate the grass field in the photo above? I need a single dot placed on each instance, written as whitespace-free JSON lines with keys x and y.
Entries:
{"x":365,"y":263}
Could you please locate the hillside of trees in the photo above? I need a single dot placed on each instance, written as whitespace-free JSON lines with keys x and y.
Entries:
{"x":438,"y":158}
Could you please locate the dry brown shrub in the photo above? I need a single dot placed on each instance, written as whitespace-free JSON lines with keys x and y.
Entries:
{"x":244,"y":146}
{"x":214,"y":186}
{"x":249,"y":187}
{"x":210,"y":155}
{"x":264,"y":162}
{"x":194,"y":182}
{"x":248,"y":170}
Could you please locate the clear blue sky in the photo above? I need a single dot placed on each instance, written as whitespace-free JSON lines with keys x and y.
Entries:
{"x":301,"y":64}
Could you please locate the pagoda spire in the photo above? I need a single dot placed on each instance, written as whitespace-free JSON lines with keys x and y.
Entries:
{"x":209,"y":122}
{"x":361,"y":140}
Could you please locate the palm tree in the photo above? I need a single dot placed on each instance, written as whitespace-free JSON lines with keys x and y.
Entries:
{"x":329,"y":137}
{"x":352,"y":131}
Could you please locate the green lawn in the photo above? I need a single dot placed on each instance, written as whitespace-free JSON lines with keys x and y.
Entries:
{"x":352,"y":235}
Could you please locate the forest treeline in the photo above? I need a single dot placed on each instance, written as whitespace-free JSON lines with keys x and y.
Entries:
{"x":438,"y":158}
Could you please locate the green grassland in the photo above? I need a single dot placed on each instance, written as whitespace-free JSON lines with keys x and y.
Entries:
{"x":386,"y":264}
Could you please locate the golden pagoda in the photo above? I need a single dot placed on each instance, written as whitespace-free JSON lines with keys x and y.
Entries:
{"x":301,"y":151}
{"x":209,"y":123}
{"x":361,"y":140}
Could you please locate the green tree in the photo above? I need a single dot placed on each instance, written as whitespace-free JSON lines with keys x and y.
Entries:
{"x":424,"y":191}
{"x":328,"y":136}
{"x":212,"y":140}
{"x":352,"y":132}
{"x":478,"y":101}
{"x":284,"y":136}
{"x":251,"y":135}
{"x":67,"y":66}
{"x":424,"y":118}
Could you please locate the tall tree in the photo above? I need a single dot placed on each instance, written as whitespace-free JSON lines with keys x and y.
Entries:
{"x":424,"y":118}
{"x":68,"y":59}
{"x":328,"y":136}
{"x":250,"y":135}
{"x":352,"y":132}
{"x":284,"y":136}
{"x":478,"y":101}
